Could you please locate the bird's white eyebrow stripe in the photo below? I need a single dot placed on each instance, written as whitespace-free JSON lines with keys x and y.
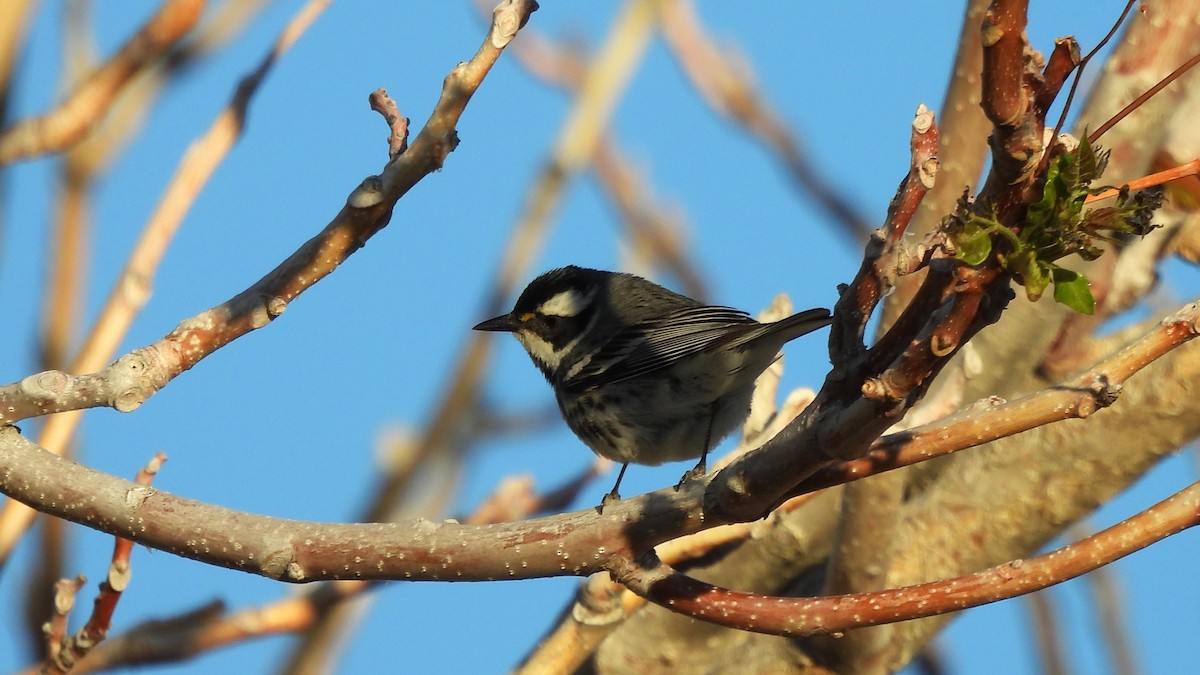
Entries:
{"x":566,"y":303}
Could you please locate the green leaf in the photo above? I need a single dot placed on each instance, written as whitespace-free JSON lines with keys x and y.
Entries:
{"x":1072,"y":289}
{"x":1041,"y":212}
{"x":1033,"y":274}
{"x":973,"y":245}
{"x":1091,"y":163}
{"x":1082,"y":165}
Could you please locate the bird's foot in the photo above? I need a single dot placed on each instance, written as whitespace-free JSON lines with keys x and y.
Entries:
{"x":609,"y":498}
{"x":697,"y":471}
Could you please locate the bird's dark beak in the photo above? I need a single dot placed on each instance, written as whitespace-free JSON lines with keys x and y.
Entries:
{"x":504,"y":323}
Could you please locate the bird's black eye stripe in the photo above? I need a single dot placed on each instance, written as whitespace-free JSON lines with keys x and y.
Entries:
{"x":557,"y":330}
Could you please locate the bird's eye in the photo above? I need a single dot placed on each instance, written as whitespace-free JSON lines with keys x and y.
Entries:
{"x":550,"y":320}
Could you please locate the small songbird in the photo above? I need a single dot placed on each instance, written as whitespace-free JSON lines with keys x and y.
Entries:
{"x":643,"y":374}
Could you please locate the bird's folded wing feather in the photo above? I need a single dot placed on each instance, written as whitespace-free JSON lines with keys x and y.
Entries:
{"x":659,"y":343}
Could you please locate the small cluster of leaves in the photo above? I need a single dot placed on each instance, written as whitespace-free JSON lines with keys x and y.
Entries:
{"x":1054,"y":227}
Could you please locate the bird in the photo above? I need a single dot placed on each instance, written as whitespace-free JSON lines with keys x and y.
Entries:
{"x":642,"y":374}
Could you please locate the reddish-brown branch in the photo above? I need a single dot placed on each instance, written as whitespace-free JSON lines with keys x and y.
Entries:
{"x":877,"y":274}
{"x":94,"y":631}
{"x":922,"y":174}
{"x":1004,"y":97}
{"x":966,"y":309}
{"x":1192,"y":168}
{"x":1063,"y":61}
{"x":80,"y":113}
{"x":931,"y":297}
{"x":992,"y":420}
{"x":826,"y":615}
{"x":1011,"y":85}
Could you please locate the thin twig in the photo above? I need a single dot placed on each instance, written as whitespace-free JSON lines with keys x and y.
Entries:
{"x":1062,"y":118}
{"x":1142,"y":98}
{"x":96,"y":629}
{"x":397,"y":123}
{"x":1192,"y":168}
{"x":65,"y":592}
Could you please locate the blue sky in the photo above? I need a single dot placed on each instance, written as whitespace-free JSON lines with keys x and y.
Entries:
{"x":285,"y":421}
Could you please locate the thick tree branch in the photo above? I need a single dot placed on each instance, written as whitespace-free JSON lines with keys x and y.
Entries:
{"x":296,"y":551}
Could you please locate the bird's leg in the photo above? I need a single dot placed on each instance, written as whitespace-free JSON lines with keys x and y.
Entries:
{"x":613,"y":495}
{"x":701,"y":467}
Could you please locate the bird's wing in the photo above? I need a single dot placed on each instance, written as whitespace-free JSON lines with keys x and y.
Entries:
{"x":659,"y":343}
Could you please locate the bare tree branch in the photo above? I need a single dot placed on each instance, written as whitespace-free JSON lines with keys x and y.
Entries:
{"x":65,"y":653}
{"x":76,"y":116}
{"x":827,"y":615}
{"x":127,"y":383}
